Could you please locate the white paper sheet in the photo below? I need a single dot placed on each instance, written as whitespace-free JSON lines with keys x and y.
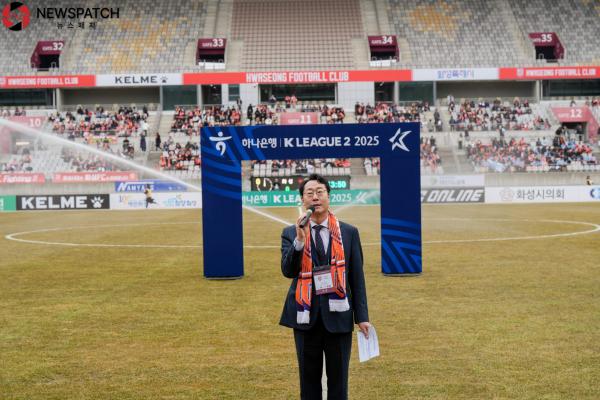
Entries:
{"x":367,"y":348}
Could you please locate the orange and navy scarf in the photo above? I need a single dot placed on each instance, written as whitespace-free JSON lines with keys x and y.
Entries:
{"x":338,"y":302}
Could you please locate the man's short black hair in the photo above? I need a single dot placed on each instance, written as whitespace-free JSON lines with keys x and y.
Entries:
{"x":314,"y":177}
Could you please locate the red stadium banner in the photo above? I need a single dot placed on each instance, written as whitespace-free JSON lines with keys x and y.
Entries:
{"x":84,"y":177}
{"x":392,"y":75}
{"x":543,"y":73}
{"x":290,"y":77}
{"x":299,"y":118}
{"x":22,"y":177}
{"x":213,"y":78}
{"x":286,"y":77}
{"x":51,"y":81}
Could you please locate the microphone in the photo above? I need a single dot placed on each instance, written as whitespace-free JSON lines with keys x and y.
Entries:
{"x":306,"y":218}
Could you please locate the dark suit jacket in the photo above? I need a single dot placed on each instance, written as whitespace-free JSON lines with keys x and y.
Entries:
{"x":336,"y":322}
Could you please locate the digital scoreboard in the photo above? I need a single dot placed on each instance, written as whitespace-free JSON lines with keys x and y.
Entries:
{"x":292,"y":183}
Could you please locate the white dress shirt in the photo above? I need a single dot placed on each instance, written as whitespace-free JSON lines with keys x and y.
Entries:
{"x":324,"y":235}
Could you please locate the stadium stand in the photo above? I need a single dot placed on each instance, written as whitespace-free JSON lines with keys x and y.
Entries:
{"x":431,"y":161}
{"x":389,"y":112}
{"x":324,"y":166}
{"x":152,"y":38}
{"x":16,"y":58}
{"x":371,"y":166}
{"x":487,"y":34}
{"x":451,"y":34}
{"x":161,"y":37}
{"x":575,"y":22}
{"x":126,"y":121}
{"x":543,"y":155}
{"x":306,"y":35}
{"x":189,"y":120}
{"x":53,"y":159}
{"x":18,"y":163}
{"x":295,"y":35}
{"x":485,"y":115}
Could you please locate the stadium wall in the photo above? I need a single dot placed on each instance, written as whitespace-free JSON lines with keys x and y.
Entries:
{"x":474,"y":90}
{"x":348,"y":94}
{"x":540,"y":179}
{"x":249,"y":94}
{"x":138,"y":95}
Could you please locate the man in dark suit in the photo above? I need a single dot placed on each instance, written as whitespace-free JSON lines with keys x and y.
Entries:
{"x":327,"y":295}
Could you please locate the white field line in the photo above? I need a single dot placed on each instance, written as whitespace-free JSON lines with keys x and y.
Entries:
{"x":15,"y":236}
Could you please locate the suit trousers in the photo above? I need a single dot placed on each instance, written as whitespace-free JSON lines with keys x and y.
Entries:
{"x":310,"y":346}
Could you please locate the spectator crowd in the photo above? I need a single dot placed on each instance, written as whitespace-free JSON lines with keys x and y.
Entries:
{"x":388,"y":112}
{"x":178,"y":157}
{"x":21,"y":163}
{"x":516,"y":155}
{"x":485,"y":116}
{"x":126,"y":122}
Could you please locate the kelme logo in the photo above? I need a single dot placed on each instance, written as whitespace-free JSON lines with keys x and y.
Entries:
{"x":15,"y":16}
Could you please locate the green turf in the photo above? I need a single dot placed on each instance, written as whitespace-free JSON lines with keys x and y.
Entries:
{"x":516,"y":319}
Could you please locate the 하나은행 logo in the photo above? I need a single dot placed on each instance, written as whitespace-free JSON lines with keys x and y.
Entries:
{"x":220,"y":142}
{"x":16,"y":16}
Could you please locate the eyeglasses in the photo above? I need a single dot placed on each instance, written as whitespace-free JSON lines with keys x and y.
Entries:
{"x":319,"y":193}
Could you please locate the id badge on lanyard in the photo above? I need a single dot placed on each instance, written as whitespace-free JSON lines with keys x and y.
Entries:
{"x":323,"y":279}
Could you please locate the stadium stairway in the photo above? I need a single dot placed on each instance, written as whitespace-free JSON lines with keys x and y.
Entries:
{"x":224,"y":14}
{"x":360,"y":53}
{"x":369,"y":17}
{"x":444,"y":115}
{"x":523,"y":44}
{"x":72,"y":51}
{"x":357,"y":167}
{"x":152,"y":159}
{"x":382,"y":17}
{"x":233,"y":54}
{"x":451,"y":161}
{"x":165,"y":123}
{"x":212,"y":8}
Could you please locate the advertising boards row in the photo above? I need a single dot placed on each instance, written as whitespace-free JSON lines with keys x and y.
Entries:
{"x":295,"y":77}
{"x":115,"y":201}
{"x":191,"y":200}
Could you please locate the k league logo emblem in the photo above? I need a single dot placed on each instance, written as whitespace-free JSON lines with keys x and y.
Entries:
{"x":220,"y":142}
{"x":397,"y":140}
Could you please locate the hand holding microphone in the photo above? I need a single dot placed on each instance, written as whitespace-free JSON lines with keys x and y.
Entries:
{"x":302,"y":223}
{"x":304,"y":220}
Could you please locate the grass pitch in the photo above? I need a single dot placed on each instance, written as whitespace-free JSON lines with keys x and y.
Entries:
{"x":512,"y":319}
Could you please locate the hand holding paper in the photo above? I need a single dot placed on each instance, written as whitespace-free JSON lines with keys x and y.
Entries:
{"x":367,"y":348}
